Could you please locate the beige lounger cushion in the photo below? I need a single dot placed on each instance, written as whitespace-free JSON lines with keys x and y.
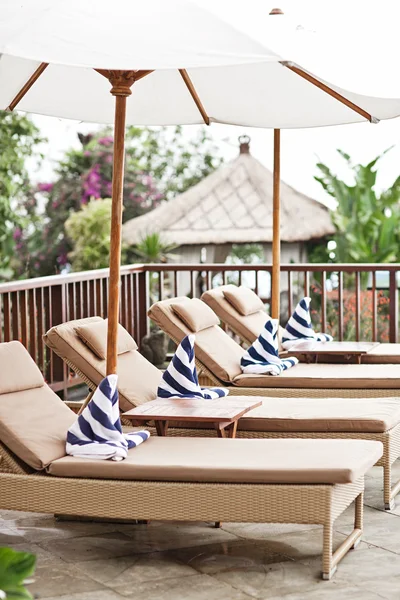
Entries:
{"x":233,"y":461}
{"x":247,"y":328}
{"x":18,"y":370}
{"x":195,"y":314}
{"x":372,"y":415}
{"x":243,"y":299}
{"x":383,"y":354}
{"x":94,"y":335}
{"x":213,"y":346}
{"x":138,"y":379}
{"x":327,"y":377}
{"x":33,"y":422}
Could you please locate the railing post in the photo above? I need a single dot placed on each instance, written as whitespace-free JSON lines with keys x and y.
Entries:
{"x":393,"y":307}
{"x":143,"y":301}
{"x":58,"y":371}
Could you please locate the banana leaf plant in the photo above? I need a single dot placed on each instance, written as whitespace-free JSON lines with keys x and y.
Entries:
{"x":15,"y":568}
{"x":367,"y":223}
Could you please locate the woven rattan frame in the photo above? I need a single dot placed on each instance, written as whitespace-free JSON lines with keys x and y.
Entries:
{"x":390,"y":439}
{"x":148,"y":500}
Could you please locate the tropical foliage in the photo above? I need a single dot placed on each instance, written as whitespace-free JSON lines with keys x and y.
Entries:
{"x":15,"y":568}
{"x":158,"y":164}
{"x":89,"y":232}
{"x":367,"y":222}
{"x":152,"y":249}
{"x":19,"y":141}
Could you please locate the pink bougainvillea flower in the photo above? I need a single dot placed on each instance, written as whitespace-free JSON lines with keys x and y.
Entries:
{"x":106,"y":141}
{"x":45,"y":187}
{"x":17,"y":235}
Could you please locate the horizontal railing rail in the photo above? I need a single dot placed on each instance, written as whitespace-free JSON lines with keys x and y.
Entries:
{"x":350,"y":301}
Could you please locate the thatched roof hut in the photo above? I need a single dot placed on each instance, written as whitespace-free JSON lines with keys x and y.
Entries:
{"x":233,"y":205}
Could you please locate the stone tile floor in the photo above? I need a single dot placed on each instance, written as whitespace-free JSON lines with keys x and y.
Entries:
{"x":194,"y":561}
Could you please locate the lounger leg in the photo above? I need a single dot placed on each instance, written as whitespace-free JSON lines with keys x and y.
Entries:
{"x":388,"y":493}
{"x":327,"y":569}
{"x":86,"y":402}
{"x":329,"y":560}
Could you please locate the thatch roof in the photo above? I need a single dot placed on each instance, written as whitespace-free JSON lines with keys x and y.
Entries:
{"x":232,"y":205}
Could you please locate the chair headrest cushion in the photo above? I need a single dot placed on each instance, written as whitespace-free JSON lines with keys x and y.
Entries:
{"x":94,"y":335}
{"x":243,"y":299}
{"x":195,"y":314}
{"x":18,"y":371}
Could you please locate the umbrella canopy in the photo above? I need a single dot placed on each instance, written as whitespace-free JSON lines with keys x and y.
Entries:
{"x":262,"y":81}
{"x":189,"y":64}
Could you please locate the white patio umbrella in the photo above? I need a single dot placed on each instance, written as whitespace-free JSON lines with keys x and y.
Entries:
{"x":59,"y":57}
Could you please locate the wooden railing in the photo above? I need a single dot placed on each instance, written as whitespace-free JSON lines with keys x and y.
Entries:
{"x":349,"y":300}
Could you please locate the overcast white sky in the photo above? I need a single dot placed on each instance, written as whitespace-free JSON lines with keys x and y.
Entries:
{"x":353,"y":21}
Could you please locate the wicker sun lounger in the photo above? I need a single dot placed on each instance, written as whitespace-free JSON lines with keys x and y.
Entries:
{"x":243,"y":312}
{"x":218,"y":357}
{"x":340,"y":418}
{"x":283,"y":481}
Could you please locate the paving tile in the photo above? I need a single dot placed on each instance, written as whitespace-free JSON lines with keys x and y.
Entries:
{"x":9,"y":537}
{"x":98,"y":595}
{"x":166,"y":536}
{"x":380,"y":528}
{"x":261,"y":531}
{"x":197,"y":587}
{"x":109,"y":545}
{"x":301,"y":544}
{"x":11,"y":515}
{"x":241,"y":555}
{"x":387,"y":588}
{"x":53,"y":580}
{"x":329,"y":590}
{"x":129,"y":571}
{"x":269,"y":580}
{"x":43,"y":557}
{"x":36,"y":528}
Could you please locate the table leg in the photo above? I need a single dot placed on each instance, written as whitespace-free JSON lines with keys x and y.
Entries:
{"x":227,"y":429}
{"x":232,"y":429}
{"x":161,"y":427}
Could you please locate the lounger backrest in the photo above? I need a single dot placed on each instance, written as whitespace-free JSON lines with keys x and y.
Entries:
{"x":247,"y":326}
{"x":138,"y":379}
{"x":240,"y":309}
{"x":33,"y":419}
{"x":218,"y":352}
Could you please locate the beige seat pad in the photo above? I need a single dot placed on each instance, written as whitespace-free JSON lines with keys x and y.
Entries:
{"x":233,"y":461}
{"x":384,"y":353}
{"x":34,"y":425}
{"x":373,"y":415}
{"x":138,"y":379}
{"x":327,"y":377}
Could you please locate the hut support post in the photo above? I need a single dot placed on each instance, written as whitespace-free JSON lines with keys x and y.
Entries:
{"x":276,"y":241}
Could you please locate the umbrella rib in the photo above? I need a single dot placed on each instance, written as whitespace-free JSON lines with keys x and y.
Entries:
{"x":325,"y":88}
{"x":27,"y":86}
{"x":194,"y":95}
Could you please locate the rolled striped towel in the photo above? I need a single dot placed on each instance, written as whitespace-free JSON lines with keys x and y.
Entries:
{"x":180,"y":378}
{"x":97,"y":432}
{"x":299,"y":327}
{"x":263,"y":356}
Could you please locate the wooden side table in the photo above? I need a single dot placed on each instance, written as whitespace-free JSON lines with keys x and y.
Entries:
{"x":222,"y":413}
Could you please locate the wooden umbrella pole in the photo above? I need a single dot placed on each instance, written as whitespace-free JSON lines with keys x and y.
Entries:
{"x":122,"y":82}
{"x":276,"y":232}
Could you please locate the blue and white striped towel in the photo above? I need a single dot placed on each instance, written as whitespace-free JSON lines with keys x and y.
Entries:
{"x":97,"y":432}
{"x":180,"y":378}
{"x":299,"y":327}
{"x":263,"y":356}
